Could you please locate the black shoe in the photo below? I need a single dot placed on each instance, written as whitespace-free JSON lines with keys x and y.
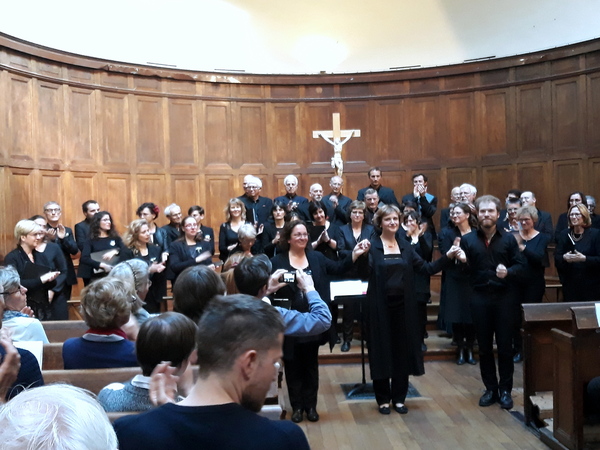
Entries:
{"x":312,"y":415}
{"x":401,"y":409}
{"x":346,"y":346}
{"x":297,"y":416}
{"x":518,"y":357}
{"x":460,"y":355}
{"x":506,"y":401}
{"x":470,"y":358}
{"x":385,"y":410}
{"x":489,"y":398}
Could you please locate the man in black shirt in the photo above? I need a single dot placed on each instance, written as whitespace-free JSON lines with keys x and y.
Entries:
{"x":258,"y":208}
{"x":82,"y":229}
{"x":494,"y":261}
{"x":386,"y":195}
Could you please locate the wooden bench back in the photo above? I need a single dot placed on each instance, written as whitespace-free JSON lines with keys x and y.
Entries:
{"x":61,"y":330}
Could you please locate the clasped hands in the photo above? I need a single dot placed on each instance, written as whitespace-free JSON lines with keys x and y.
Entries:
{"x":456,"y":252}
{"x":574,"y":256}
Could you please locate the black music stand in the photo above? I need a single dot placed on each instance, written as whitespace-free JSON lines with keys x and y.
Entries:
{"x":353,"y":292}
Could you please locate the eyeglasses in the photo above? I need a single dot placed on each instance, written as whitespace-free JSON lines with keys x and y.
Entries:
{"x":358,"y":213}
{"x":252,"y":188}
{"x":52,"y":210}
{"x":20,"y":289}
{"x":303,"y":235}
{"x":575,"y":215}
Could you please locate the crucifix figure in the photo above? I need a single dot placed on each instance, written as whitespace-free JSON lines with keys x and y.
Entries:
{"x":334,"y":137}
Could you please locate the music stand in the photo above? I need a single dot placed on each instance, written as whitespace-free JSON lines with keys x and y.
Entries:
{"x":352,"y":292}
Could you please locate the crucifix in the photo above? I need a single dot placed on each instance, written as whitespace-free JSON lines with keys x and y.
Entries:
{"x":334,"y":137}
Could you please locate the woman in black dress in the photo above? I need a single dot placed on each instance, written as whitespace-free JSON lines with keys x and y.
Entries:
{"x":301,"y":354}
{"x":562,"y":223}
{"x":534,"y":246}
{"x":137,"y":241}
{"x":33,"y":267}
{"x":456,"y":287}
{"x":158,"y":236}
{"x":189,"y":250}
{"x":350,"y":234}
{"x":577,"y":257}
{"x":271,"y":234}
{"x":103,"y":238}
{"x":392,"y":315}
{"x":235,"y":216}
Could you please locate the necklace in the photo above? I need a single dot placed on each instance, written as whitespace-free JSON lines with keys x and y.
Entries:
{"x":576,"y":236}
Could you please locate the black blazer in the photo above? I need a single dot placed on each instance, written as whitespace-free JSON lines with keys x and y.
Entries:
{"x":180,"y":257}
{"x":82,"y":233}
{"x":86,"y":263}
{"x":69,"y":247}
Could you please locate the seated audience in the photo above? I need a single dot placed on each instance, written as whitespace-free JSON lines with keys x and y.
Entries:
{"x":106,"y":306}
{"x":55,"y":417}
{"x":246,"y":245}
{"x":239,"y":343}
{"x":167,"y":337}
{"x":194,"y":289}
{"x":18,"y":367}
{"x":18,"y":317}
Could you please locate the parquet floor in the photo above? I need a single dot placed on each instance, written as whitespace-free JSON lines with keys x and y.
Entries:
{"x":446,"y":416}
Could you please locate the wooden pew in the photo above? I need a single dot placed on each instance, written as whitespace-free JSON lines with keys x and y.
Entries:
{"x":576,"y":356}
{"x":538,"y":362}
{"x":91,"y":379}
{"x":53,"y":359}
{"x":61,"y":330}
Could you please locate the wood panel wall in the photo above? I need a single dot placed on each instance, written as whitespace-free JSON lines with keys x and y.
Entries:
{"x":74,"y":128}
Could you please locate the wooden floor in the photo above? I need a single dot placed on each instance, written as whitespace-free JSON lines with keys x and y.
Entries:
{"x":446,"y":416}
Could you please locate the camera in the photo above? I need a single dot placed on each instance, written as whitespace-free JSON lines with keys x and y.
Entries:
{"x":287,"y":277}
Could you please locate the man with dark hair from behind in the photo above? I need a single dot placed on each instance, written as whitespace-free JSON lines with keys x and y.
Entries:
{"x":252,"y":277}
{"x":194,"y":288}
{"x":239,"y":342}
{"x":167,"y":337}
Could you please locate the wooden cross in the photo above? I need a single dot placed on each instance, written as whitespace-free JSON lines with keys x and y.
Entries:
{"x":334,"y":137}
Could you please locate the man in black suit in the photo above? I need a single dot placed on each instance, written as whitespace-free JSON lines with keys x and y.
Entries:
{"x":315,"y":194}
{"x":426,"y":202}
{"x":372,"y":202}
{"x":291,"y":199}
{"x":337,"y":201}
{"x":63,"y":236}
{"x":544,"y":222}
{"x":386,"y":195}
{"x":82,"y":229}
{"x":173,"y":213}
{"x":258,"y":208}
{"x":445,"y":213}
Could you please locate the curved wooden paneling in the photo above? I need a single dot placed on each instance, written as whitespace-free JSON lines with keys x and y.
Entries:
{"x":73,"y":128}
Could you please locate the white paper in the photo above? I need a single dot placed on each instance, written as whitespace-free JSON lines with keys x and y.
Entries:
{"x":597,"y":312}
{"x":35,"y":347}
{"x":348,"y":287}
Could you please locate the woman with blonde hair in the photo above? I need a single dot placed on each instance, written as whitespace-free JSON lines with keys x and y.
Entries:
{"x":137,"y":241}
{"x":235,"y":217}
{"x":32,"y":267}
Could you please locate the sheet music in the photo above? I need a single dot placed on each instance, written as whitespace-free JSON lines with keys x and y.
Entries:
{"x":348,"y":288}
{"x":597,"y":312}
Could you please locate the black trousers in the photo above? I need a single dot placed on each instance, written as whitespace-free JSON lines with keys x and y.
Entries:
{"x":59,"y":307}
{"x":396,"y":388}
{"x":494,"y":315}
{"x":302,"y":375}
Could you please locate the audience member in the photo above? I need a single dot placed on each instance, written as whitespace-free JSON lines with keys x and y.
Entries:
{"x":239,"y":343}
{"x":167,"y":337}
{"x":18,"y":317}
{"x":194,"y":288}
{"x":55,"y":417}
{"x":105,"y":306}
{"x":136,"y":276}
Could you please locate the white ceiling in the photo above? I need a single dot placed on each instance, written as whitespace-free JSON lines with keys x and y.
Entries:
{"x":301,"y":36}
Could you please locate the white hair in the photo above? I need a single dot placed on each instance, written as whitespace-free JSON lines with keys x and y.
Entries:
{"x":55,"y":417}
{"x":290,"y":177}
{"x":472,"y":188}
{"x":170,"y":207}
{"x":256,"y":181}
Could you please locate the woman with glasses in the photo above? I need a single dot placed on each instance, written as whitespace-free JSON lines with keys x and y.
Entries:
{"x":577,"y":257}
{"x":100,"y":251}
{"x":456,"y":287}
{"x":32,"y":267}
{"x":235,"y":216}
{"x":562,"y":223}
{"x":357,"y":230}
{"x":137,"y":241}
{"x":301,"y":354}
{"x":534,"y":246}
{"x":18,"y":317}
{"x":189,"y":250}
